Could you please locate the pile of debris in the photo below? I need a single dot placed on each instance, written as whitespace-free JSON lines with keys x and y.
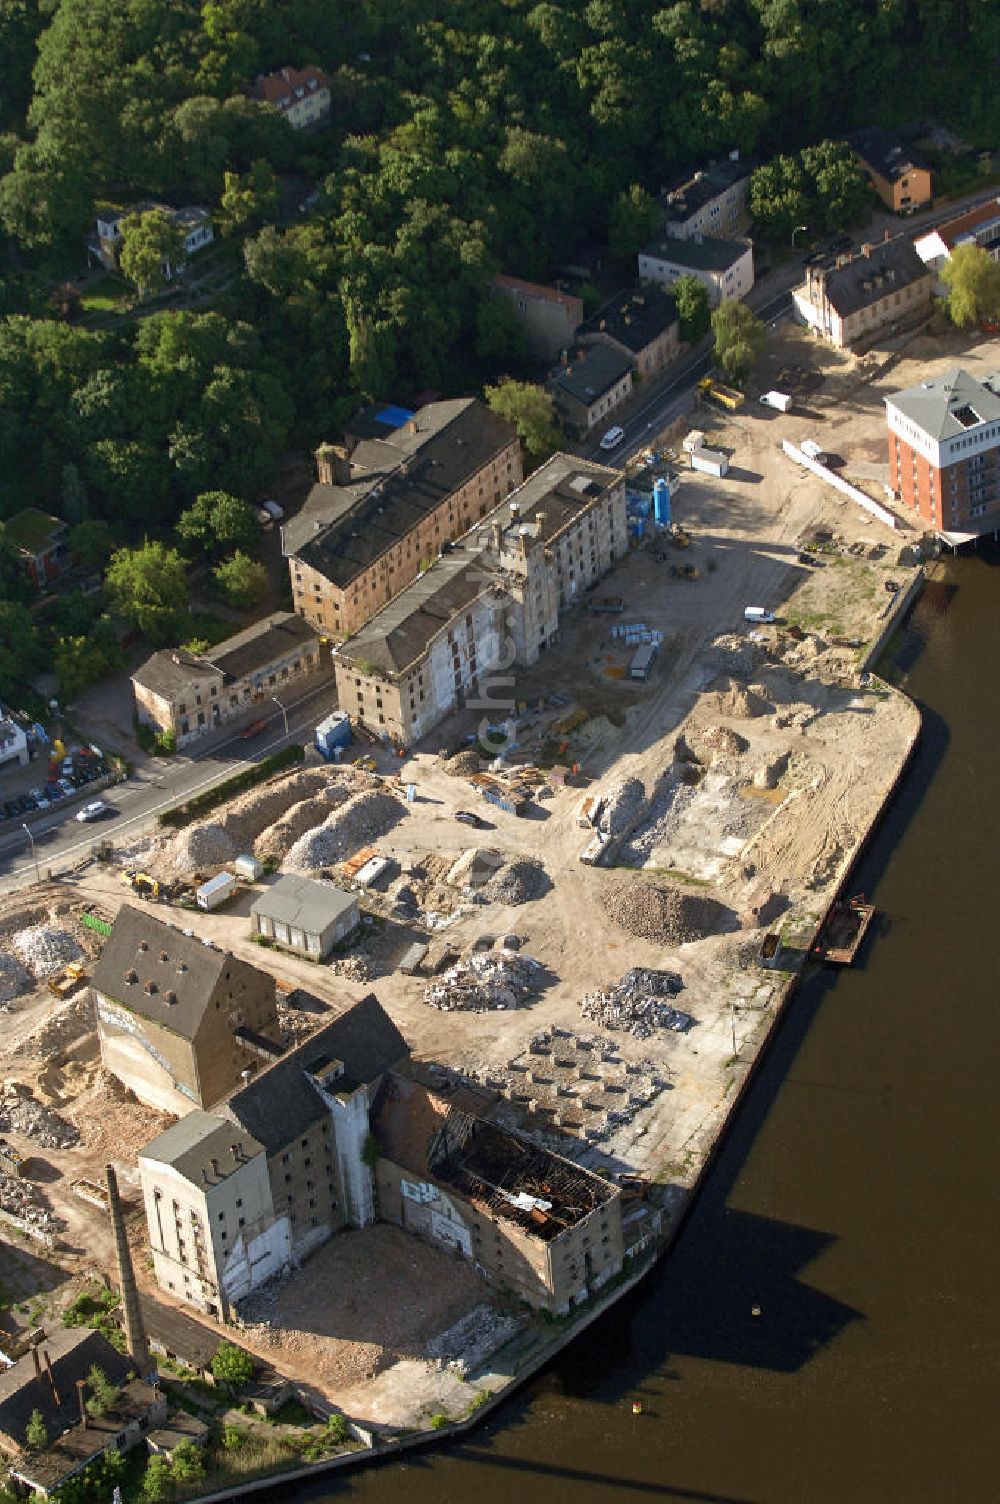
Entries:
{"x":475,"y":867}
{"x":198,"y":847}
{"x":14,"y":980}
{"x":362,"y":818}
{"x":463,"y":763}
{"x":46,"y":949}
{"x":475,"y":1337}
{"x":622,"y":807}
{"x":739,"y":702}
{"x":636,"y":1005}
{"x":352,"y":968}
{"x":20,"y":1113}
{"x":486,"y":980}
{"x":300,"y":818}
{"x":68,"y":1022}
{"x":19,"y":1199}
{"x":724,"y":741}
{"x":669,"y":916}
{"x":519,"y":882}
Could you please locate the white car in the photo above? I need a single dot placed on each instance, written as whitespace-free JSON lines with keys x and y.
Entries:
{"x":613,"y":437}
{"x":92,"y":811}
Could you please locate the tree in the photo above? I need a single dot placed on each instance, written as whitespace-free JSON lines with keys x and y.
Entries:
{"x":635,"y":219}
{"x":36,"y":1433}
{"x":90,"y":542}
{"x":148,"y":585}
{"x":217,"y":521}
{"x":187,"y":1464}
{"x":691,"y":297}
{"x":231,"y":1365}
{"x":779,"y":199}
{"x":241,"y":581}
{"x":21,"y":651}
{"x":73,"y":505}
{"x":103,"y":1394}
{"x":739,"y":336}
{"x":532,"y":411}
{"x":158,"y":1481}
{"x":151,"y":249}
{"x":249,"y":198}
{"x":82,"y":661}
{"x":973,"y":281}
{"x":839,"y":187}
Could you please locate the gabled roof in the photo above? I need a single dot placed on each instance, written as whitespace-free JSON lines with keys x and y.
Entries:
{"x":202,"y":1147}
{"x":703,"y":253}
{"x":633,"y":318}
{"x":949,"y":405}
{"x":305,"y":902}
{"x":886,"y":153}
{"x":590,"y":372}
{"x":689,"y":191}
{"x":282,"y":87}
{"x":886,"y":268}
{"x":963,"y":226}
{"x":71,"y":1354}
{"x":32,"y":531}
{"x":172,"y":671}
{"x":536,"y":290}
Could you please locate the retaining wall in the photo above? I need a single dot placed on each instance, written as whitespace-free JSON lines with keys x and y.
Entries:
{"x":839,"y":483}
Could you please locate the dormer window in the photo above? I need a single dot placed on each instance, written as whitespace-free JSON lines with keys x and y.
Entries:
{"x":131,"y":976}
{"x":150,"y":988}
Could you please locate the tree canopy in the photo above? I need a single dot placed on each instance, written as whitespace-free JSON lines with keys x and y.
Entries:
{"x":531,"y":409}
{"x":740,"y":336}
{"x":972,"y":278}
{"x":148,"y":586}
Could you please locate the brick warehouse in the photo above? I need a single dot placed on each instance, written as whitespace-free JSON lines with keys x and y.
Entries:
{"x":944,"y":452}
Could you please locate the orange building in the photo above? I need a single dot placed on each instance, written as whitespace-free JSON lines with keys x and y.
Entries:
{"x":900,"y":176}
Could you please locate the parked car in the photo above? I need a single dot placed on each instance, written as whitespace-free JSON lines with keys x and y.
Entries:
{"x":11,"y":809}
{"x":466,"y":817}
{"x":66,"y":786}
{"x":41,"y":798}
{"x":254,"y":729}
{"x":95,"y":810}
{"x":25,"y":804}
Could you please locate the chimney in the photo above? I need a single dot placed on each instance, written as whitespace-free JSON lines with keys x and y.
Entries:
{"x":52,"y":1377}
{"x":135,"y":1333}
{"x":38,"y":1362}
{"x":866,"y":249}
{"x":81,"y":1385}
{"x":540,"y":521}
{"x":413,"y":426}
{"x":333,"y":464}
{"x":236,"y":1150}
{"x":496,"y":529}
{"x":215,"y":1167}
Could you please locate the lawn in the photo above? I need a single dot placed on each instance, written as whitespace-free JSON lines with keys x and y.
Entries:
{"x":104,"y":295}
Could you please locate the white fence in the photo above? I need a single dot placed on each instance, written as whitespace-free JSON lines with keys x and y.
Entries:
{"x":837,"y":481}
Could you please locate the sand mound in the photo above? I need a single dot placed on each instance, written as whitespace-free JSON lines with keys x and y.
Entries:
{"x":668,"y":915}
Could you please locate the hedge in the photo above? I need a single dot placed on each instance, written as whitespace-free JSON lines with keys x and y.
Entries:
{"x":183,"y":814}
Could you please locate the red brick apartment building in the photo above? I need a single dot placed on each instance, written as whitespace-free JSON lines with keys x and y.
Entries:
{"x":944,"y":452}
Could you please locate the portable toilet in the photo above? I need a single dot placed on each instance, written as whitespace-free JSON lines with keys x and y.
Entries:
{"x":661,"y":502}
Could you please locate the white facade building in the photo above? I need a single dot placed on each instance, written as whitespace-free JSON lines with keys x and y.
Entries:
{"x":724,"y":267}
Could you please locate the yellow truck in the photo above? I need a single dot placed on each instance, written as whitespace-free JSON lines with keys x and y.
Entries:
{"x":726,"y":396}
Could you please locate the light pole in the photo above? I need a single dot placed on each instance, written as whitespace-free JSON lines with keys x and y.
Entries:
{"x":796,"y":231}
{"x":284,"y":712}
{"x":34,"y":853}
{"x":732,"y":1019}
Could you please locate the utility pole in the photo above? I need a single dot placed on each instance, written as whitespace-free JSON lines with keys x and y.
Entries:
{"x":34,"y":853}
{"x":284,"y":712}
{"x":796,"y":231}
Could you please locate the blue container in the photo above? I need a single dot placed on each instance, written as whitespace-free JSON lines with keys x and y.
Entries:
{"x":333,"y":733}
{"x":661,"y":503}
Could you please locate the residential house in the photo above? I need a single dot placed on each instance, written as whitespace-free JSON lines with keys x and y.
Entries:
{"x":979,"y":226}
{"x":547,"y":315}
{"x":180,"y":1021}
{"x":900,"y":175}
{"x":236,"y":1196}
{"x":713,"y":201}
{"x":192,"y":693}
{"x":305,"y":915}
{"x":944,"y":452}
{"x":438,"y":643}
{"x":54,"y":1379}
{"x":590,"y":384}
{"x":302,"y":96}
{"x":724,"y":267}
{"x":537,"y":1225}
{"x":884,"y":287}
{"x":642,"y":324}
{"x":193,"y":223}
{"x":40,"y":540}
{"x":398,"y":488}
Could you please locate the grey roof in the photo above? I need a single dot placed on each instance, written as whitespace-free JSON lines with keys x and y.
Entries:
{"x":951,"y":404}
{"x":702,"y":253}
{"x":304,"y":902}
{"x":178,"y":1333}
{"x":395,"y":483}
{"x":71,"y":1353}
{"x":171,"y":672}
{"x":688,"y":191}
{"x":633,"y":318}
{"x":890,"y":266}
{"x":590,"y":373}
{"x":280,"y":1104}
{"x":886,"y":152}
{"x":203,"y":1148}
{"x":174,"y":975}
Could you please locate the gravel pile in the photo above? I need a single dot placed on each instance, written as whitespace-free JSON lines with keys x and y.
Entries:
{"x":46,"y":949}
{"x":519,"y":882}
{"x":622,"y":807}
{"x":14,"y":980}
{"x":67,"y":1023}
{"x":726,"y":742}
{"x":19,"y":1198}
{"x":738,"y":702}
{"x":22,"y":1114}
{"x":352,"y":968}
{"x":474,"y":867}
{"x":463,"y":763}
{"x":636,"y":1003}
{"x":486,"y":980}
{"x":475,"y":1337}
{"x":363,"y":818}
{"x":652,"y":832}
{"x":200,"y":846}
{"x":280,"y":837}
{"x":669,"y":916}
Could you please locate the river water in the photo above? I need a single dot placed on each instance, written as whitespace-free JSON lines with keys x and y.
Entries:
{"x":854,"y":1203}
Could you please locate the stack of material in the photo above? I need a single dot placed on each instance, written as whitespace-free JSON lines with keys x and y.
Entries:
{"x":198,"y":847}
{"x":352,"y":968}
{"x":622,"y":807}
{"x":734,"y":700}
{"x":19,"y":1199}
{"x":67,"y":1023}
{"x":724,"y":741}
{"x":301,"y":817}
{"x":45,"y":949}
{"x":519,"y":882}
{"x":635,"y":1004}
{"x":14,"y":980}
{"x":363,"y":818}
{"x":670,"y":916}
{"x":474,"y":867}
{"x":20,"y":1113}
{"x":475,"y":1337}
{"x":463,"y":763}
{"x":487,"y":980}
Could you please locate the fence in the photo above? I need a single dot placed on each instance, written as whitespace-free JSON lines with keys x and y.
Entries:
{"x":839,"y":484}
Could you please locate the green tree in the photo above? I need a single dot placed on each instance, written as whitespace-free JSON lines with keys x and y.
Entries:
{"x":36,"y":1433}
{"x":80,"y":662}
{"x":531,"y":409}
{"x":103,"y":1394}
{"x":691,"y":297}
{"x":148,"y":585}
{"x":249,"y":198}
{"x":151,"y":249}
{"x":90,"y":542}
{"x":187,"y":1463}
{"x":231,"y":1365}
{"x":635,"y":219}
{"x":839,"y":188}
{"x":217,"y":521}
{"x":241,"y":581}
{"x":972,"y":278}
{"x":73,"y":505}
{"x":779,"y":197}
{"x":739,"y":336}
{"x":21,"y":652}
{"x":158,"y":1481}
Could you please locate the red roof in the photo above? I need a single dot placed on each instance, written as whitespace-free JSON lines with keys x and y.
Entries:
{"x":279,"y":88}
{"x":953,"y":229}
{"x":536,"y":290}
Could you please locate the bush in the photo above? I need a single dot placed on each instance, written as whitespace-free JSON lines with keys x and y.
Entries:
{"x":439,"y":1421}
{"x":232,"y":1438}
{"x":183,"y":814}
{"x":231,"y":1365}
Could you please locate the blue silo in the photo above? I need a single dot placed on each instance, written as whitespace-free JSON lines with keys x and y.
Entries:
{"x":661,"y":503}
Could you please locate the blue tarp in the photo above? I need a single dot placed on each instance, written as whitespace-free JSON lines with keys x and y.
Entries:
{"x":394,"y":417}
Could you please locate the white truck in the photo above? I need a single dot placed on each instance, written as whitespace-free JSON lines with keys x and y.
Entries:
{"x":780,"y":401}
{"x":216,"y":891}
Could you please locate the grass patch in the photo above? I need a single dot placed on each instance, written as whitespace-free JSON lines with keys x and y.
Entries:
{"x":291,"y":1413}
{"x":104,"y":295}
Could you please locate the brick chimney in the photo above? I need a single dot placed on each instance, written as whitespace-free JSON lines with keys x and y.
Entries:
{"x":866,"y":249}
{"x":135,"y":1332}
{"x":333,"y":464}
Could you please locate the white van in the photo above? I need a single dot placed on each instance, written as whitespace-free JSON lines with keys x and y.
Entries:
{"x":758,"y":614}
{"x":613,"y":438}
{"x":811,"y":448}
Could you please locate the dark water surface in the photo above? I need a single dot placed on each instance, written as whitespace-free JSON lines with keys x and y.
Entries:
{"x":855,"y":1201}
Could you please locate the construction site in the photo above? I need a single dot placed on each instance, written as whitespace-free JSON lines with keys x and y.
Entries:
{"x":584,"y":942}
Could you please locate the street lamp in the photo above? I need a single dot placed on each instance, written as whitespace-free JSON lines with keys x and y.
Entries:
{"x":284,"y":712}
{"x":796,"y":231}
{"x":34,"y":853}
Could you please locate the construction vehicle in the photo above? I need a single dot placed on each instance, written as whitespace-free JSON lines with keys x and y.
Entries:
{"x":146,"y":886}
{"x":726,"y":396}
{"x":68,"y":980}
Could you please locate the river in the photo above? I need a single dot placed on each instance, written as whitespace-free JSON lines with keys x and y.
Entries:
{"x":854,"y":1204}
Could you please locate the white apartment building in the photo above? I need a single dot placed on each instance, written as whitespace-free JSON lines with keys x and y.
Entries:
{"x":724,"y":267}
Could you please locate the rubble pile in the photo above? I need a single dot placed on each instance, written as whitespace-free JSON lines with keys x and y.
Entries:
{"x":735,"y":701}
{"x":486,"y":980}
{"x":280,"y":837}
{"x":67,"y":1023}
{"x":636,"y":1005}
{"x":476,"y":1336}
{"x":199,"y":846}
{"x":20,"y":1113}
{"x":45,"y":949}
{"x":652,"y":832}
{"x":463,"y":763}
{"x":474,"y":867}
{"x":20,"y":1199}
{"x":519,"y":882}
{"x":735,"y":654}
{"x":362,"y":818}
{"x":724,"y":741}
{"x":352,"y":968}
{"x":669,"y":916}
{"x":14,"y":980}
{"x":622,"y":807}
